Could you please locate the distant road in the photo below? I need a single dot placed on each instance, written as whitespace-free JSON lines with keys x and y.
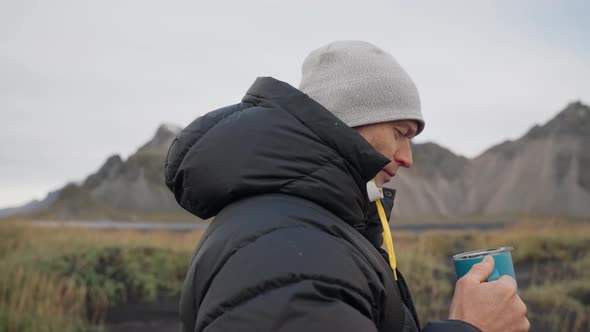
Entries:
{"x":480,"y":226}
{"x":139,"y":225}
{"x":185,"y":226}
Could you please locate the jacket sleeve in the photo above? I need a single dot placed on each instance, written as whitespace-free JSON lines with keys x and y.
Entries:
{"x":450,"y":326}
{"x":289,"y":280}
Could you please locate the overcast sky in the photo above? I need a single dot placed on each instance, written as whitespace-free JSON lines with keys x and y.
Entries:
{"x":81,"y":80}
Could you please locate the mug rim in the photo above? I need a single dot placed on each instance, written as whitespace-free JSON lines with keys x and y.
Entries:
{"x":481,"y":253}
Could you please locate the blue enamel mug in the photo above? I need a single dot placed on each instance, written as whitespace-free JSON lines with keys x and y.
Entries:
{"x":502,"y":259}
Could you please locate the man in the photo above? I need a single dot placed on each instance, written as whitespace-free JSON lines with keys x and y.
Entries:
{"x":291,"y":176}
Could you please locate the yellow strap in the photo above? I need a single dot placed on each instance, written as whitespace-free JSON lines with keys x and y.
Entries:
{"x":387,"y":238}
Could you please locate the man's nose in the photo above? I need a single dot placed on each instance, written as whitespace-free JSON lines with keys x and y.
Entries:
{"x":403,"y":155}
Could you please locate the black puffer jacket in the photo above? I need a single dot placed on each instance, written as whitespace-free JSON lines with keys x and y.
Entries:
{"x":295,"y":245}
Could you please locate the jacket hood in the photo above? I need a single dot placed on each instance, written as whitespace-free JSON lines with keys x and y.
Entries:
{"x":277,"y":140}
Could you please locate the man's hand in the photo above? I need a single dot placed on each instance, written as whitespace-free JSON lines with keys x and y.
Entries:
{"x":490,"y":306}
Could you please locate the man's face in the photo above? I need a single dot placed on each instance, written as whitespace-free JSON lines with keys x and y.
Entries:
{"x":392,"y":139}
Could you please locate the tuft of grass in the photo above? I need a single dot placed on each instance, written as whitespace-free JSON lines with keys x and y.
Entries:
{"x":428,"y":279}
{"x":65,"y":279}
{"x":33,"y":301}
{"x":560,"y":306}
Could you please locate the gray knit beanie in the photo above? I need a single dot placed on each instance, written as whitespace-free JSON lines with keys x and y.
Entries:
{"x":361,"y":84}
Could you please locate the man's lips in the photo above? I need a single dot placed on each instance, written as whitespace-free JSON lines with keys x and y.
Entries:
{"x":388,"y":172}
{"x":388,"y":175}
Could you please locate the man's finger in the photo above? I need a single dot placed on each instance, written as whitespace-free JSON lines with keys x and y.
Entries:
{"x":482,"y":270}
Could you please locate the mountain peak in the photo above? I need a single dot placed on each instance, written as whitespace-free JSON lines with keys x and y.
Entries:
{"x":573,"y":120}
{"x":168,"y":128}
{"x":108,"y":170}
{"x":436,"y":160}
{"x":164,"y":136}
{"x":575,"y":111}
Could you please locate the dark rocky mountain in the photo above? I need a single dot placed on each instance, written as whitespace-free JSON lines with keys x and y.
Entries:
{"x":161,"y":140}
{"x":546,"y":172}
{"x":131,"y":189}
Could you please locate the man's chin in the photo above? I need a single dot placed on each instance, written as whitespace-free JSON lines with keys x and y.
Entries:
{"x":383,"y":179}
{"x":379,"y":183}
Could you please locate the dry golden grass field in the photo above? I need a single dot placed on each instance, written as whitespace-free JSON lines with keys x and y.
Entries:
{"x":64,"y":279}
